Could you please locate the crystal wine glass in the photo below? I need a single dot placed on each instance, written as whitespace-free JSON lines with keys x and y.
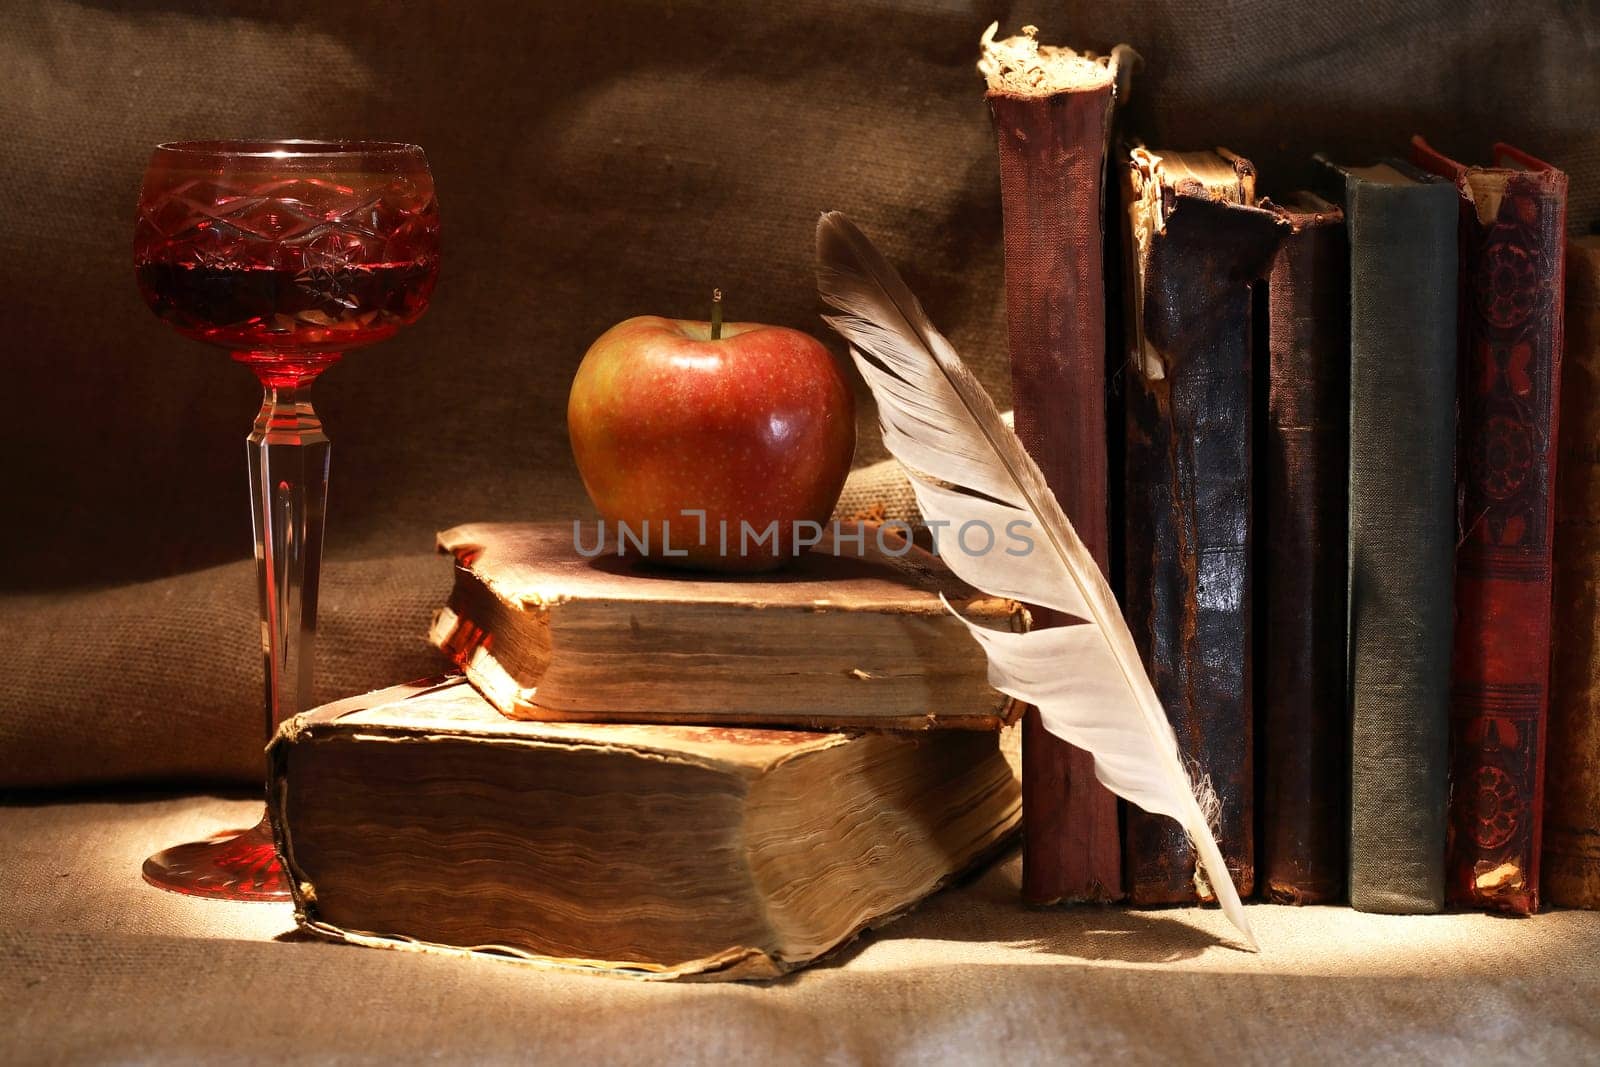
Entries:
{"x":288,"y":254}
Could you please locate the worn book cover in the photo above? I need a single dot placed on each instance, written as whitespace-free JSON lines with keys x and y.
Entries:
{"x":1402,"y":227}
{"x":851,"y":634}
{"x":1195,"y":244}
{"x":1571,"y":857}
{"x":1512,"y":237}
{"x":1304,"y":747}
{"x":419,"y":817}
{"x":1052,"y":116}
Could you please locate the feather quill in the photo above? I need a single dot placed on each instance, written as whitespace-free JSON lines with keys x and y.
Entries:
{"x":966,"y":465}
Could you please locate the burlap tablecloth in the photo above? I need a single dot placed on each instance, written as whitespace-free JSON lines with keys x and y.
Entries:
{"x":96,"y":966}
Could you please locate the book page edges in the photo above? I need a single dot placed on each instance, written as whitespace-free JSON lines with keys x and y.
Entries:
{"x":731,"y":965}
{"x":1153,"y":184}
{"x":743,"y":963}
{"x":1484,"y":187}
{"x":974,"y":808}
{"x":1021,"y":66}
{"x":473,"y":654}
{"x":406,"y":715}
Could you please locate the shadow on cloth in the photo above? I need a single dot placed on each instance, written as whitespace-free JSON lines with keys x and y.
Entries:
{"x":986,"y":907}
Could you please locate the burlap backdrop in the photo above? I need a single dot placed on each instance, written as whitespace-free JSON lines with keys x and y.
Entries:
{"x":594,"y":161}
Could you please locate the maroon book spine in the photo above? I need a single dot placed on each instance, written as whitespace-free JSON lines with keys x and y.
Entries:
{"x":1513,"y":220}
{"x":1304,"y":743}
{"x":1570,"y":866}
{"x":1052,"y":152}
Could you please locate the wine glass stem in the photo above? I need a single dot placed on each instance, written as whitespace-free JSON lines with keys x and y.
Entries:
{"x":288,"y":494}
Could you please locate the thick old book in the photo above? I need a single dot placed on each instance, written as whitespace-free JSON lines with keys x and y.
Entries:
{"x":1402,"y":227}
{"x":1571,"y":859}
{"x":555,"y":623}
{"x":1194,"y":246}
{"x":419,"y":816}
{"x":1052,"y":117}
{"x":1512,"y":236}
{"x":1304,"y":747}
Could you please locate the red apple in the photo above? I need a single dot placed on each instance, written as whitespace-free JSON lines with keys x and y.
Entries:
{"x":753,"y":428}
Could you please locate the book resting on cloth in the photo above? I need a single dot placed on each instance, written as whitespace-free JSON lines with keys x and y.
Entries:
{"x":419,"y":816}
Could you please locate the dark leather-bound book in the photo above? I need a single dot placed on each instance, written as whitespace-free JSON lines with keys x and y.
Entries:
{"x":1304,"y":746}
{"x":1571,"y":860}
{"x":1195,"y":245}
{"x":1513,"y":229}
{"x":1402,"y":227}
{"x":1052,"y":111}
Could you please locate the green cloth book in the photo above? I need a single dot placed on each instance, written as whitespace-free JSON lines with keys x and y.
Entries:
{"x":1403,"y":283}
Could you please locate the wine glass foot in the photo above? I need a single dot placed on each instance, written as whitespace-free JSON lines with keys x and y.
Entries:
{"x":231,"y":865}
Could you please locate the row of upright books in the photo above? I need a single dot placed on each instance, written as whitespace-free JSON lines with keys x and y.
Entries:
{"x":1325,"y":480}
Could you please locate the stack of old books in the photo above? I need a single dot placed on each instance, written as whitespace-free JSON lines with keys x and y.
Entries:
{"x":655,"y":772}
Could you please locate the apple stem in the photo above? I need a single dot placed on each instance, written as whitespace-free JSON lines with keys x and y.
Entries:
{"x":716,"y":314}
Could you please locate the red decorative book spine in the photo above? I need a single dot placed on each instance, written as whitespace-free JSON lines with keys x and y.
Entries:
{"x":1052,"y":153}
{"x":1513,"y":219}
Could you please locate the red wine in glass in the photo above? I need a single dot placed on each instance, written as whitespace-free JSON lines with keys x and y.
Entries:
{"x":287,"y":254}
{"x":312,"y":311}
